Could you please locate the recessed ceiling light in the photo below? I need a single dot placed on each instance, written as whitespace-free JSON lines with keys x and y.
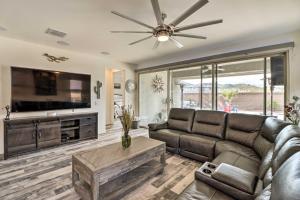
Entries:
{"x":2,"y":28}
{"x":63,"y":43}
{"x":105,"y":53}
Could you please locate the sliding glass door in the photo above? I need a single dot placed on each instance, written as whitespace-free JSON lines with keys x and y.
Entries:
{"x":275,"y":86}
{"x":153,"y":93}
{"x":254,"y":86}
{"x":185,"y":88}
{"x":191,"y":87}
{"x":240,"y":86}
{"x":207,"y":87}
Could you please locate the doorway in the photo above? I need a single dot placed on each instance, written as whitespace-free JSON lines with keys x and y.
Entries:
{"x":115,"y":91}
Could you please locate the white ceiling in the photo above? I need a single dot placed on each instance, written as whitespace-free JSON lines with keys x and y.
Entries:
{"x":88,"y":23}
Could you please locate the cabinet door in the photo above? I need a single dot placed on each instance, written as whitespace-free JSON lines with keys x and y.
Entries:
{"x":48,"y":134}
{"x":88,"y":131}
{"x":21,"y":138}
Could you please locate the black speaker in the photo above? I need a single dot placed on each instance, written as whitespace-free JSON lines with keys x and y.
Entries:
{"x":277,"y":70}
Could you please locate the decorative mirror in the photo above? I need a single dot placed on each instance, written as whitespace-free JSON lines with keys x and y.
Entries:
{"x":130,"y":86}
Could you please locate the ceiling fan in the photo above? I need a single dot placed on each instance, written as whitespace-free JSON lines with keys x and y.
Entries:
{"x":164,"y":32}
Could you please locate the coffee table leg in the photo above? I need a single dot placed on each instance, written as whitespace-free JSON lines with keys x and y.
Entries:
{"x":95,"y":192}
{"x":163,"y":162}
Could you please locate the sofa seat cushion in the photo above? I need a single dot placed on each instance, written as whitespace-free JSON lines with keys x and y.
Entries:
{"x":201,"y":191}
{"x":169,"y":136}
{"x":198,"y":144}
{"x":223,"y":146}
{"x":237,"y":160}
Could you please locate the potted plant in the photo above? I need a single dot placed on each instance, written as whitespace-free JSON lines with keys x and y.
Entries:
{"x":228,"y":95}
{"x":126,"y":117}
{"x":292,"y":111}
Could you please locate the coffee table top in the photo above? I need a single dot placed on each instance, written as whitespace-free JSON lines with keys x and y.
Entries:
{"x":102,"y":157}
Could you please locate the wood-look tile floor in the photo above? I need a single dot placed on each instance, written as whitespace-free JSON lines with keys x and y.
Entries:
{"x":47,"y":174}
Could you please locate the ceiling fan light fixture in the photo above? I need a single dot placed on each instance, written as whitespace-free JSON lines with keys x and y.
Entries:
{"x":163,"y":32}
{"x":162,"y":36}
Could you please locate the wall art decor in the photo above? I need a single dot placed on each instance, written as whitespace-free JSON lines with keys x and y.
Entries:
{"x":51,"y":58}
{"x":97,"y":89}
{"x":158,"y":84}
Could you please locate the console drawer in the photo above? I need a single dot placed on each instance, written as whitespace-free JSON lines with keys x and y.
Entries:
{"x":88,"y":120}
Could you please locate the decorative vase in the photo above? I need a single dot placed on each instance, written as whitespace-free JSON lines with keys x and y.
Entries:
{"x":126,"y":141}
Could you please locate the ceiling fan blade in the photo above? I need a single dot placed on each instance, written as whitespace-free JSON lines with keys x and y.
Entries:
{"x":130,"y":19}
{"x":156,"y":44}
{"x":198,"y":25}
{"x":157,"y":12}
{"x":146,"y":38}
{"x":176,"y":42}
{"x":190,"y":36}
{"x":189,"y":12}
{"x":131,"y":32}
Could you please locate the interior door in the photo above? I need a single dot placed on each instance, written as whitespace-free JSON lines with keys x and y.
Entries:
{"x":48,"y":134}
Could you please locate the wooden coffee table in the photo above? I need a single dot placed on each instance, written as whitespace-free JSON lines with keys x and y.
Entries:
{"x":110,"y":172}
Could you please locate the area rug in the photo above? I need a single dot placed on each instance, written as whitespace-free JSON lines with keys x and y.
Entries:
{"x":47,"y":174}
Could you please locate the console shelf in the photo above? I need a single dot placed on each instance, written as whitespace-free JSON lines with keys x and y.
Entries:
{"x":23,"y":135}
{"x":69,"y":128}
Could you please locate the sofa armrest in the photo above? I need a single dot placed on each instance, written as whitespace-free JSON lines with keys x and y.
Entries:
{"x":242,"y":185}
{"x":157,"y":126}
{"x":236,"y":177}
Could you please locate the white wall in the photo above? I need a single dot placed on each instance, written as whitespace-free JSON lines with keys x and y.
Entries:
{"x":24,"y":54}
{"x":231,"y":46}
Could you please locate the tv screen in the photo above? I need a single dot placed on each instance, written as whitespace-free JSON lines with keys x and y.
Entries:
{"x":38,"y":90}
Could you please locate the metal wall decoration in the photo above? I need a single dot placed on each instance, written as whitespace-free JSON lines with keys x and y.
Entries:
{"x":97,"y":89}
{"x":55,"y":59}
{"x":158,"y":84}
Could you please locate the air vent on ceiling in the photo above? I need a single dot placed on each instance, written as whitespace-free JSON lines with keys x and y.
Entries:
{"x":55,"y":33}
{"x":105,"y":53}
{"x":2,"y":28}
{"x":63,"y":43}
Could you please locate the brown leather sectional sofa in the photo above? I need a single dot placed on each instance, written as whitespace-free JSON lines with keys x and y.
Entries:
{"x":246,"y":156}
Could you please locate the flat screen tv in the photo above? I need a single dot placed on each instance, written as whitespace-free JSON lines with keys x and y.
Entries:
{"x":40,"y":90}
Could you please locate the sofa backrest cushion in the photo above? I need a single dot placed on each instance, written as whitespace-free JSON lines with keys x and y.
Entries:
{"x":209,"y":123}
{"x":269,"y":131}
{"x":243,"y":128}
{"x":286,"y":181}
{"x":291,"y":147}
{"x":286,"y":134}
{"x":262,"y":146}
{"x":181,"y":119}
{"x":272,"y":127}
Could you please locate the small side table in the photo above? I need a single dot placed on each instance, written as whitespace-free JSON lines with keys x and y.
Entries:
{"x":135,"y":124}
